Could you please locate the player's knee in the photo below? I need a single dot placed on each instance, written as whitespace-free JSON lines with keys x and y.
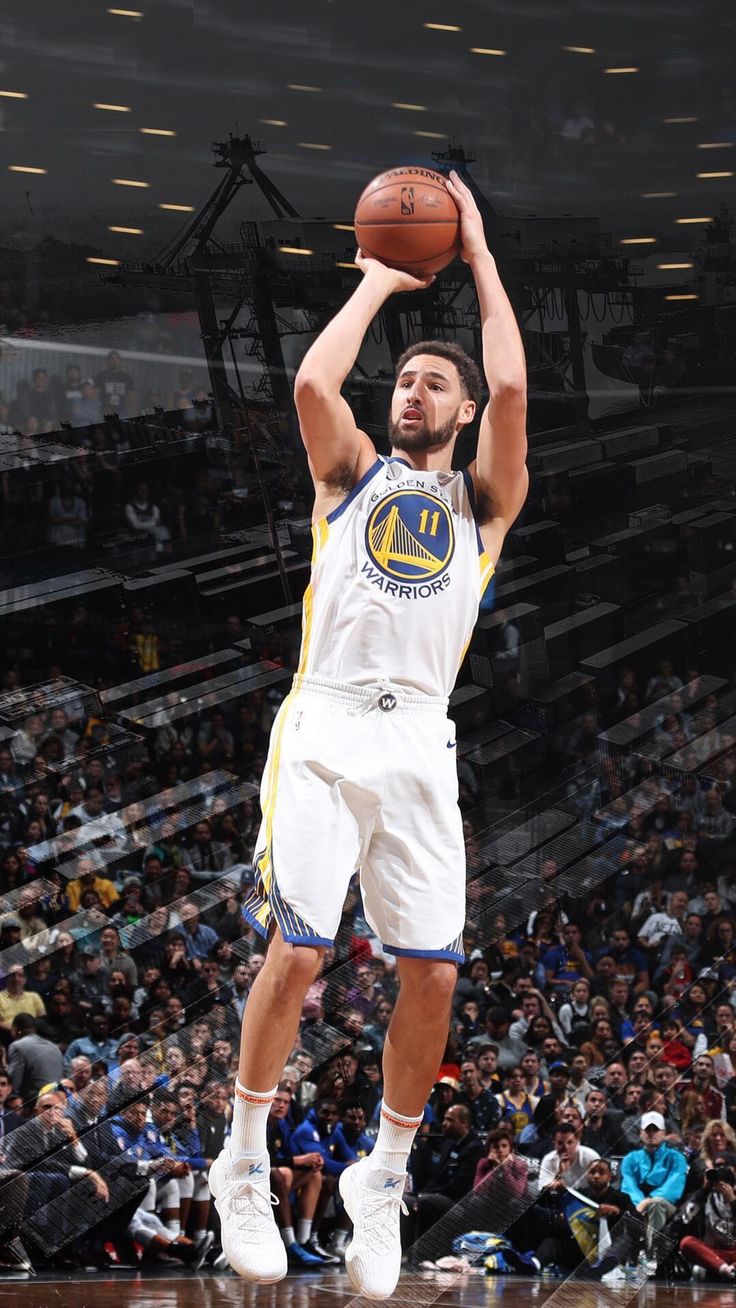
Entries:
{"x":297,"y":965}
{"x":430,"y":981}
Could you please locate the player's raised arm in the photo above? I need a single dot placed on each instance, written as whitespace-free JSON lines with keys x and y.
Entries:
{"x":332,"y":439}
{"x":499,"y":471}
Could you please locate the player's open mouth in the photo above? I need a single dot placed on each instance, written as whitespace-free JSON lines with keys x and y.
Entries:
{"x":411,"y":415}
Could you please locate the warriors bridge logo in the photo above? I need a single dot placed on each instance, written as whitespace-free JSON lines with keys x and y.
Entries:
{"x":410,"y":537}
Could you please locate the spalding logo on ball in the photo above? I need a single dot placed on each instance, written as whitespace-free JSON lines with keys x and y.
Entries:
{"x":407,"y":218}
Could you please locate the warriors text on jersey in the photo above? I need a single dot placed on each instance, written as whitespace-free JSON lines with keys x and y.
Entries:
{"x":398,"y":571}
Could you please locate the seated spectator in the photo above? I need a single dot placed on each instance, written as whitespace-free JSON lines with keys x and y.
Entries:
{"x":67,"y":518}
{"x":715,"y":1201}
{"x":602,"y":1129}
{"x":516,"y":1105}
{"x":451,"y":1177}
{"x":199,"y":939}
{"x":574,"y":1015}
{"x":15,"y":999}
{"x":616,"y":1209}
{"x":567,"y":1165}
{"x":659,"y":925}
{"x":566,"y":963}
{"x":207,"y":856}
{"x":654,"y":1179}
{"x":144,"y":518}
{"x":97,"y":1045}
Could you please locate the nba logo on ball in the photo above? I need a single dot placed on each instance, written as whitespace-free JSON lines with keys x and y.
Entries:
{"x":410,"y":537}
{"x":407,"y":199}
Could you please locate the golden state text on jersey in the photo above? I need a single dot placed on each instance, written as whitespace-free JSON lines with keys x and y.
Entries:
{"x":398,"y":570}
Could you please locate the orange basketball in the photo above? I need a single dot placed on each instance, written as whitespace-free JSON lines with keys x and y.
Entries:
{"x":407,"y":218}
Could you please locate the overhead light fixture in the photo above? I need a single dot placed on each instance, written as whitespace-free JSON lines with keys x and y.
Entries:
{"x":639,"y":240}
{"x":414,"y":108}
{"x":684,"y":119}
{"x":26,"y":168}
{"x":442,"y":27}
{"x":313,"y":145}
{"x":340,"y":263}
{"x":672,"y":266}
{"x":14,"y":95}
{"x":156,"y":131}
{"x":129,"y":181}
{"x":687,"y":222}
{"x":126,"y":13}
{"x":690,"y":296}
{"x":292,"y":249}
{"x":343,"y":227}
{"x":486,"y":50}
{"x":622,"y":70}
{"x":432,"y":136}
{"x":110,"y":263}
{"x":715,"y":145}
{"x":127,"y":231}
{"x":178,"y":208}
{"x":274,"y":122}
{"x":726,"y":173}
{"x":658,"y":195}
{"x":112,"y":108}
{"x":579,"y":49}
{"x":300,"y":86}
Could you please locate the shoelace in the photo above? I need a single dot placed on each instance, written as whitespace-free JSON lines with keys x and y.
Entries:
{"x":251,"y":1202}
{"x":378,"y":1219}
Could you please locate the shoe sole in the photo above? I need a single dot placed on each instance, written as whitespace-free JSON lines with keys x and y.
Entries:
{"x":244,"y":1275}
{"x":344,"y":1185}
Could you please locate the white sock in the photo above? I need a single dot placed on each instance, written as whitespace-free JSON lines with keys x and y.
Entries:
{"x":173,"y":1229}
{"x":394,"y":1140}
{"x":287,"y":1235}
{"x":303,"y":1230}
{"x":250,"y":1115}
{"x":339,"y":1240}
{"x":198,"y":1235}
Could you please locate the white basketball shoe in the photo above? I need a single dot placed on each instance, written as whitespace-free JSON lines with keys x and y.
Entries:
{"x":373,"y":1201}
{"x":250,"y":1237}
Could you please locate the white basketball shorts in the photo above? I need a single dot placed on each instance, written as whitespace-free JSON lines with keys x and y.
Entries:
{"x":361,"y":777}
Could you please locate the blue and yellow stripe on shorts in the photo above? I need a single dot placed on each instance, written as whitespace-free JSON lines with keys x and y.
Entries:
{"x":264,"y":903}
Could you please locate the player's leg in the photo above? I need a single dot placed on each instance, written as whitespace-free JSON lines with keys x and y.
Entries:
{"x":250,"y":1238}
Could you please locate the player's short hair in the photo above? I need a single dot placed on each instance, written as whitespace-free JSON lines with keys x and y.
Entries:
{"x":467,"y":368}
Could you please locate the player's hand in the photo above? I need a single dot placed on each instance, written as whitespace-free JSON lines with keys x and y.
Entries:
{"x":394,"y":278}
{"x":472,"y":235}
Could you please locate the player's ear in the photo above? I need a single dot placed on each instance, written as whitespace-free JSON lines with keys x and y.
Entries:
{"x":467,"y":412}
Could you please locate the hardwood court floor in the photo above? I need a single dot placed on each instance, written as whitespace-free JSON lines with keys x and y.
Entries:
{"x":179,"y":1290}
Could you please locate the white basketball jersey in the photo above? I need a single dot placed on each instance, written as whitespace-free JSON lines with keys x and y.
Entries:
{"x":398,"y":570}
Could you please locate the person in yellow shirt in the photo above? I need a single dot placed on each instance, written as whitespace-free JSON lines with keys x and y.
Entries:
{"x":87,"y":879}
{"x":15,"y":999}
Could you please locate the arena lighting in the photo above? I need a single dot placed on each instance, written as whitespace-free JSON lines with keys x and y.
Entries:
{"x":274,"y":122}
{"x":638,"y":240}
{"x":112,"y":108}
{"x":687,"y":119}
{"x":481,"y":49}
{"x":715,"y":145}
{"x":579,"y":49}
{"x":658,"y":195}
{"x":727,"y":173}
{"x":691,"y":296}
{"x":26,"y":168}
{"x":178,"y":208}
{"x":156,"y":131}
{"x":341,"y":264}
{"x":299,"y":86}
{"x":433,"y":136}
{"x":686,"y":222}
{"x":675,"y":265}
{"x":126,"y":13}
{"x":110,"y":263}
{"x":128,"y":181}
{"x":127,"y":231}
{"x":622,"y":70}
{"x":312,"y":145}
{"x":14,"y":95}
{"x":442,"y":27}
{"x":292,"y":249}
{"x":415,"y":108}
{"x":343,"y":227}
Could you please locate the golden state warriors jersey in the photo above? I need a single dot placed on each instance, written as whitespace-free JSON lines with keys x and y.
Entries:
{"x":398,"y":571}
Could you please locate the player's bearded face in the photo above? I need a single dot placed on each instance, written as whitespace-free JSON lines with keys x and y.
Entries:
{"x":421,"y":435}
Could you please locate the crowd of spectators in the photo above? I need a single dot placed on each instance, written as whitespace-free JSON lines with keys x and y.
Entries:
{"x":584,"y":1112}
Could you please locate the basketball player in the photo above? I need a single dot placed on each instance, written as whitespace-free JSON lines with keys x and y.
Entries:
{"x":361,"y":770}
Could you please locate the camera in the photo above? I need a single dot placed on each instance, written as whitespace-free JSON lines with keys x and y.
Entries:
{"x":714,"y":1175}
